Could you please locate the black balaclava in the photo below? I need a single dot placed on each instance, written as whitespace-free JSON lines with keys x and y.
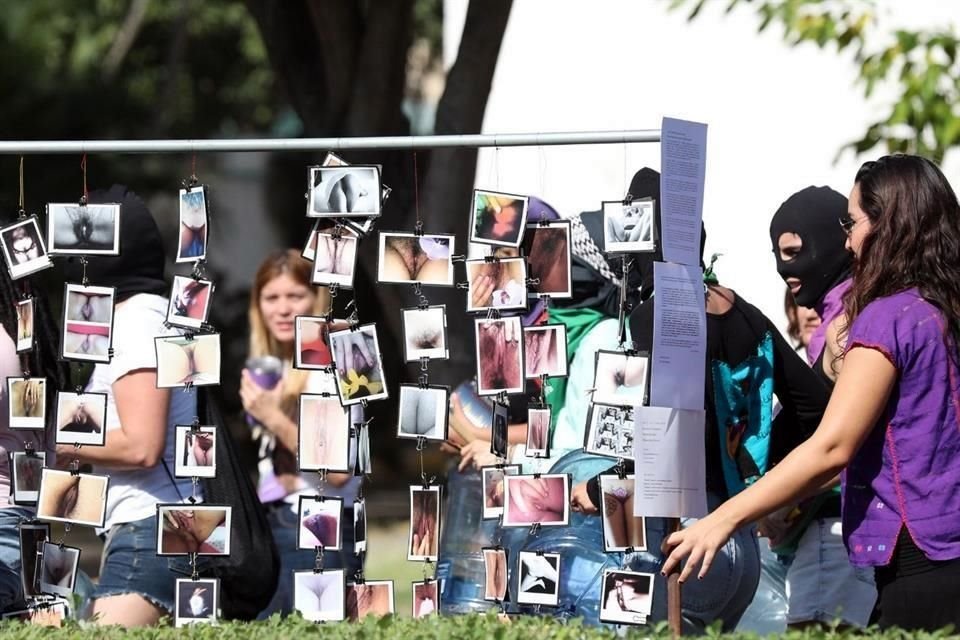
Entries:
{"x":139,"y":267}
{"x":813,"y":214}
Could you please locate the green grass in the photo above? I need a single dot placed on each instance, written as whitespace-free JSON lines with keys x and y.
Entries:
{"x":387,"y":560}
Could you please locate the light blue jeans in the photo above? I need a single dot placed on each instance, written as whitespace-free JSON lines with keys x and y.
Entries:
{"x":11,"y":584}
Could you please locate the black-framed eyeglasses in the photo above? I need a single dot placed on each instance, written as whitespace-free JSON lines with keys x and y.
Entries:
{"x":847,"y":224}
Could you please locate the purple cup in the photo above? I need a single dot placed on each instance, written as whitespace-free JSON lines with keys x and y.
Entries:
{"x":266,"y":371}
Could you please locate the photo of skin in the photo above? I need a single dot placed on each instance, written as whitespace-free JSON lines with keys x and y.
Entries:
{"x":23,"y":248}
{"x":498,"y":218}
{"x":538,"y":430}
{"x":620,"y":380}
{"x":539,"y":581}
{"x":628,"y":227}
{"x":324,"y":440}
{"x":27,"y":402}
{"x":426,"y":598}
{"x":493,"y":489}
{"x":320,"y":523}
{"x":196,"y":451}
{"x":58,"y":568}
{"x":425,"y":333}
{"x":312,"y":337}
{"x":356,"y":355}
{"x":423,"y":412}
{"x":191,"y":529}
{"x":424,"y":524}
{"x":501,"y":284}
{"x":545,"y":351}
{"x":547,"y":249}
{"x":495,"y":565}
{"x":626,"y":597}
{"x":81,"y":418}
{"x":25,"y":325}
{"x":319,"y":596}
{"x":31,"y":535}
{"x":89,"y":304}
{"x":499,"y":356}
{"x":85,"y":341}
{"x":193,"y":225}
{"x":27,"y":472}
{"x":188,"y":301}
{"x":529,"y":499}
{"x":83,"y":229}
{"x":65,"y":497}
{"x":621,"y":529}
{"x":372,"y":598}
{"x":344,"y":191}
{"x":335,"y":259}
{"x":408,"y":258}
{"x":194,"y":360}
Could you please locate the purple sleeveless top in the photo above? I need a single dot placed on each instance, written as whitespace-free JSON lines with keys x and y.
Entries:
{"x":907,"y":473}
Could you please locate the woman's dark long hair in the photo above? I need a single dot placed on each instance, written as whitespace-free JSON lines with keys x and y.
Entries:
{"x":914,"y":240}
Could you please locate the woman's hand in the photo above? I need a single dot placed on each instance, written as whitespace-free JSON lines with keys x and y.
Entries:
{"x":262,"y":404}
{"x":476,"y":453}
{"x":698,"y":543}
{"x":580,"y":500}
{"x":482,"y":287}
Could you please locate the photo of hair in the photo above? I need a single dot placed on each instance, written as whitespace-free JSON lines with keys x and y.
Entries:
{"x":497,"y":284}
{"x":87,"y":322}
{"x":539,"y":581}
{"x":196,"y":451}
{"x":545,"y":350}
{"x":188,"y":360}
{"x":312,"y":341}
{"x":79,"y":498}
{"x":492,"y":485}
{"x":25,"y":325}
{"x":609,"y":431}
{"x":425,"y":333}
{"x":620,"y":379}
{"x":423,"y":412}
{"x":192,"y":245}
{"x":183,"y":529}
{"x":344,"y":191}
{"x":499,"y":429}
{"x":27,"y":404}
{"x":81,"y":418}
{"x":335,"y":260}
{"x":538,"y":432}
{"x":189,"y":302}
{"x":197,"y":601}
{"x":497,"y":218}
{"x":58,"y":569}
{"x":628,"y":228}
{"x":356,"y":356}
{"x":495,"y":566}
{"x":626,"y":597}
{"x":27,"y":469}
{"x":529,"y":499}
{"x":426,"y":598}
{"x":499,"y":356}
{"x":407,"y":258}
{"x":320,"y":596}
{"x":424,"y":539}
{"x":31,"y":535}
{"x":359,"y":526}
{"x":23,"y":248}
{"x":324,"y":433}
{"x":547,"y":248}
{"x":370,"y":598}
{"x":319,"y":523}
{"x":622,"y":531}
{"x":83,"y":229}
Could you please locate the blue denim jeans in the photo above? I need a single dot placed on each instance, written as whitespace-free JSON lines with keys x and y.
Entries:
{"x":11,"y":585}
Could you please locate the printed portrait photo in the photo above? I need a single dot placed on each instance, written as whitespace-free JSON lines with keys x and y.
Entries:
{"x":406,"y":258}
{"x":319,"y":519}
{"x":320,"y":596}
{"x":192,"y":245}
{"x":91,"y":229}
{"x":622,"y":531}
{"x":547,"y":249}
{"x":188,"y":528}
{"x":423,"y":412}
{"x":324,"y":437}
{"x":183,"y":360}
{"x":346,"y":191}
{"x":539,"y":581}
{"x":370,"y":598}
{"x":530,"y":499}
{"x":197,"y":601}
{"x":196,"y":451}
{"x":626,"y":597}
{"x":620,"y":379}
{"x":189,"y":303}
{"x":500,"y":284}
{"x":424,"y":539}
{"x":425,"y":333}
{"x":498,"y":218}
{"x":499,"y":356}
{"x":23,"y":248}
{"x":81,"y":418}
{"x":492,"y":485}
{"x":27,"y":402}
{"x":356,"y":356}
{"x":628,"y":228}
{"x":545,"y":350}
{"x":75,"y":498}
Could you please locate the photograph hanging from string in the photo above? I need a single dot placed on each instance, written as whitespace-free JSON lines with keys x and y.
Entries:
{"x":356,"y":356}
{"x":188,"y":360}
{"x":498,"y":218}
{"x":196,"y":451}
{"x":324,"y":433}
{"x":189,"y":303}
{"x":23,"y":248}
{"x":408,"y":258}
{"x":26,"y":402}
{"x":369,"y":598}
{"x":88,"y":322}
{"x":425,"y":333}
{"x":83,"y":229}
{"x":197,"y":601}
{"x":194,"y":221}
{"x":183,"y":529}
{"x":320,"y":523}
{"x":77,"y":498}
{"x":320,"y":596}
{"x":546,"y":246}
{"x":81,"y":418}
{"x":499,"y":356}
{"x":498,"y":283}
{"x":423,"y":412}
{"x":345,"y":191}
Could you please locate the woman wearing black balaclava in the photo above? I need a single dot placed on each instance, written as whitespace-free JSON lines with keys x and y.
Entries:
{"x":135,"y":587}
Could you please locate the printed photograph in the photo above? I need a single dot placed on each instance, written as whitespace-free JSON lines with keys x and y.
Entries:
{"x":189,"y":302}
{"x":27,"y":470}
{"x":320,"y":596}
{"x":196,"y":451}
{"x":27,"y":402}
{"x":51,"y":614}
{"x":499,"y":430}
{"x":529,"y":499}
{"x":547,"y":249}
{"x":610,"y":431}
{"x":325,"y":226}
{"x":197,"y":601}
{"x":23,"y":248}
{"x":25,"y":325}
{"x":425,"y":333}
{"x":500,"y":284}
{"x":188,"y":360}
{"x":406,"y":258}
{"x":312,"y":341}
{"x":628,"y":228}
{"x":498,"y":218}
{"x":346,"y":191}
{"x":359,"y":526}
{"x":620,"y":379}
{"x":545,"y":350}
{"x":192,"y":246}
{"x":492,"y":485}
{"x":356,"y":356}
{"x":426,"y":598}
{"x":539,"y":581}
{"x":423,"y":412}
{"x":361,"y":225}
{"x":499,"y":356}
{"x":81,"y":418}
{"x":626,"y":597}
{"x":75,"y":498}
{"x":424,"y":539}
{"x":87,"y":322}
{"x":58,"y":569}
{"x":495,"y":566}
{"x":622,"y":531}
{"x":370,"y":598}
{"x":319,"y":523}
{"x":324,"y":437}
{"x":335,"y":260}
{"x":31,"y":535}
{"x":538,"y":433}
{"x":76,"y":229}
{"x":202,"y":529}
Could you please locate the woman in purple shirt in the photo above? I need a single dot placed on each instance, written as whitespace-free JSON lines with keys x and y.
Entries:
{"x":893,"y":421}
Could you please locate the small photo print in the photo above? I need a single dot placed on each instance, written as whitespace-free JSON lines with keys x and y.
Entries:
{"x":538,"y":432}
{"x":498,"y":218}
{"x":610,"y":431}
{"x":88,"y":322}
{"x":58,"y":569}
{"x":25,"y":325}
{"x":407,"y":258}
{"x":499,"y":356}
{"x":424,"y":540}
{"x":423,"y":412}
{"x":628,"y":228}
{"x":370,"y":598}
{"x":620,"y":379}
{"x":359,"y":526}
{"x":530,"y":499}
{"x":49,"y":613}
{"x":196,"y":451}
{"x":499,"y":284}
{"x":622,"y":531}
{"x":319,"y":519}
{"x":188,"y":360}
{"x":27,"y":402}
{"x":326,"y":226}
{"x":363,"y":226}
{"x":197,"y":601}
{"x":545,"y":350}
{"x":539,"y":581}
{"x":192,"y":245}
{"x":81,"y":418}
{"x":32,"y":535}
{"x":27,"y":471}
{"x":324,"y":436}
{"x":335,"y":260}
{"x":23,"y":248}
{"x":320,"y":596}
{"x":547,"y":248}
{"x":77,"y":229}
{"x":346,"y":191}
{"x":425,"y":333}
{"x":75,"y":498}
{"x":312,"y":341}
{"x":183,"y":529}
{"x":626,"y":597}
{"x":492,"y":479}
{"x":495,"y":566}
{"x":499,"y":429}
{"x":356,"y":356}
{"x":189,"y":302}
{"x":426,"y":598}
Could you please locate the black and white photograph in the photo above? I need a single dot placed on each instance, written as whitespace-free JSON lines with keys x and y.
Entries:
{"x":322,"y":225}
{"x":620,"y":379}
{"x":81,"y":418}
{"x":356,"y":356}
{"x":77,"y":229}
{"x":75,"y":498}
{"x":23,"y":248}
{"x":622,"y":531}
{"x":495,"y":567}
{"x":183,"y":529}
{"x":628,"y":228}
{"x":545,"y":350}
{"x":492,"y":485}
{"x":531,"y":499}
{"x":499,"y":284}
{"x":27,"y":468}
{"x":51,"y":613}
{"x":189,"y":302}
{"x":369,"y":598}
{"x":192,"y":245}
{"x":319,"y":519}
{"x":25,"y":325}
{"x":31,"y":535}
{"x":538,"y":432}
{"x":408,"y":258}
{"x":197,"y":601}
{"x":425,"y":333}
{"x":312,"y":341}
{"x":609,"y":431}
{"x":188,"y":360}
{"x":547,"y":249}
{"x":499,"y":353}
{"x":500,"y":429}
{"x":333,"y":160}
{"x":359,"y":526}
{"x":423,"y":412}
{"x":498,"y":218}
{"x":423,"y":542}
{"x":539,"y":579}
{"x":626,"y":597}
{"x":426,"y":598}
{"x":320,"y":597}
{"x":345,"y":191}
{"x":58,"y":569}
{"x":196,"y":451}
{"x":335,"y":260}
{"x":87,"y":322}
{"x":324,"y":433}
{"x":27,"y":404}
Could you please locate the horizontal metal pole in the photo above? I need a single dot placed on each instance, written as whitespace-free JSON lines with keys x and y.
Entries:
{"x":24,"y":147}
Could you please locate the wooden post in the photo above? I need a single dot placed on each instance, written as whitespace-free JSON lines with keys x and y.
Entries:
{"x":674,"y":618}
